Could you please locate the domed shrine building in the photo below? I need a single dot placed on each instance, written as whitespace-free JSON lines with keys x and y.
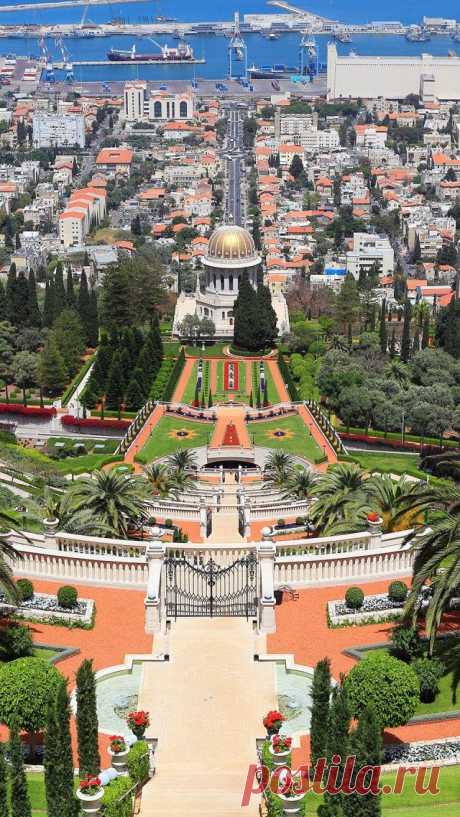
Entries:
{"x":231,"y":253}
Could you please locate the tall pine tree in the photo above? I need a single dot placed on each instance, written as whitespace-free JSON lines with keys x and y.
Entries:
{"x":21,"y":300}
{"x":49,"y":307}
{"x":3,"y":784}
{"x":52,"y":371}
{"x":320,"y":703}
{"x":20,"y":803}
{"x":69,"y":806}
{"x":52,"y":764}
{"x":71,"y":299}
{"x":3,"y":306}
{"x":426,"y":331}
{"x":34,"y":314}
{"x":405,"y":340}
{"x":366,"y":746}
{"x":11,"y":294}
{"x":337,"y":749}
{"x":60,"y":293}
{"x":87,"y":724}
{"x":383,"y":327}
{"x":116,"y":383}
{"x":92,"y":324}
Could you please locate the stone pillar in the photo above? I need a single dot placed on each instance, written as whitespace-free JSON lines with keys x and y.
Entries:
{"x":374,"y":527}
{"x":50,"y":529}
{"x":221,"y":473}
{"x":266,"y":552}
{"x":203,"y":519}
{"x":155,"y":553}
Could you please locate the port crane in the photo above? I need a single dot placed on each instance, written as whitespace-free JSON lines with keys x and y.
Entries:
{"x":66,"y":64}
{"x":237,"y":48}
{"x":308,"y":53}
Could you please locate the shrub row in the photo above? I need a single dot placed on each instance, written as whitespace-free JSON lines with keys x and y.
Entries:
{"x":31,"y":411}
{"x":94,"y":422}
{"x":174,"y":376}
{"x":161,"y":381}
{"x":288,"y":378}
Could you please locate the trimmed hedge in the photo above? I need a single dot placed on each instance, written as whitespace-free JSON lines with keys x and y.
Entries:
{"x":288,"y":378}
{"x":174,"y":376}
{"x":117,"y":802}
{"x":25,"y":588}
{"x":138,"y":762}
{"x":397,"y":591}
{"x":161,"y":381}
{"x":354,"y":598}
{"x":67,"y":596}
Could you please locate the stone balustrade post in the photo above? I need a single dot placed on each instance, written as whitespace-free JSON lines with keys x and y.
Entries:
{"x":50,"y":527}
{"x":155,"y":554}
{"x":266,"y":552}
{"x":374,"y":527}
{"x":203,"y":519}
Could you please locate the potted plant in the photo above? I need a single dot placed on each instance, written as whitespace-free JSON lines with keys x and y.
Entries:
{"x":273,"y":721}
{"x":138,"y":723}
{"x":90,"y":794}
{"x":280,"y":750}
{"x":291,"y":794}
{"x":118,"y":751}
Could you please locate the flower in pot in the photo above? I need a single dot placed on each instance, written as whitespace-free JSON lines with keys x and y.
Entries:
{"x":292,"y":793}
{"x":138,"y":723}
{"x":118,"y":750}
{"x":373,"y":517}
{"x":90,"y":794}
{"x":280,"y":749}
{"x":273,"y":721}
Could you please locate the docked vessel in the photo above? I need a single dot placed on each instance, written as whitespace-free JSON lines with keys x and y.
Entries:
{"x":417,"y":34}
{"x":183,"y":53}
{"x":342,"y":36}
{"x":278,"y":71}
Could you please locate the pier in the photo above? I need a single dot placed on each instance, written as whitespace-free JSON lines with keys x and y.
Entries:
{"x":195,"y":61}
{"x":61,"y":4}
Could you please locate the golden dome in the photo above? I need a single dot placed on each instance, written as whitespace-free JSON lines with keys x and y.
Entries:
{"x":231,"y":243}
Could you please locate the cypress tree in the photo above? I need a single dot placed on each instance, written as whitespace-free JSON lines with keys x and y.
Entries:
{"x":34,"y":314}
{"x":426,"y":331}
{"x":83,"y":300}
{"x":210,"y":399}
{"x":20,"y":803}
{"x":3,"y":302}
{"x":134,"y":395}
{"x":267,"y":317}
{"x":251,"y":400}
{"x":116,"y":383}
{"x":101,"y":368}
{"x":68,"y":802}
{"x":258,"y":403}
{"x":383,"y":327}
{"x":49,"y":308}
{"x":405,"y":341}
{"x":92,"y":326}
{"x":11,"y":294}
{"x":350,"y":336}
{"x":71,"y":299}
{"x":246,"y":334}
{"x":60,"y":293}
{"x":366,"y":746}
{"x":129,"y":342}
{"x":320,"y":703}
{"x":87,"y":725}
{"x":393,"y":344}
{"x":138,"y":338}
{"x":337,"y":744}
{"x":21,"y":300}
{"x":3,"y":784}
{"x":146,"y":362}
{"x":196,"y":399}
{"x":52,"y":764}
{"x":416,"y":342}
{"x":52,"y":371}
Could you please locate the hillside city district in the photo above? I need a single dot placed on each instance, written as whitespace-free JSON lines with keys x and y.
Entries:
{"x":230,"y":451}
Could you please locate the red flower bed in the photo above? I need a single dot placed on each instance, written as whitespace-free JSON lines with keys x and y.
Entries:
{"x":93,"y":422}
{"x":30,"y":411}
{"x":231,"y":375}
{"x":231,"y":435}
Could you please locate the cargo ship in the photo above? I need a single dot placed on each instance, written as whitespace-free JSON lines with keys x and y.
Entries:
{"x":417,"y":34}
{"x":278,"y":71}
{"x":183,"y":53}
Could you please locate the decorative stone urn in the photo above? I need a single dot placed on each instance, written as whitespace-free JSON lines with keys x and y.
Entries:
{"x":291,"y":805}
{"x":91,"y":803}
{"x":119,"y":760}
{"x":280,"y":758}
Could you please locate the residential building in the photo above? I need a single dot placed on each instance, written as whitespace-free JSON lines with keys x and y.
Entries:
{"x":368,"y":249}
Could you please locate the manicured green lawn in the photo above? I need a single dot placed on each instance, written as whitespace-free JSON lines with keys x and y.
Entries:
{"x":221,"y":395}
{"x":163,"y":441}
{"x":189,"y":393}
{"x":108,"y":446}
{"x":171,"y":348}
{"x":45,"y":653}
{"x":409,"y":803}
{"x":297,"y":439}
{"x":387,"y":462}
{"x":88,"y":462}
{"x":216,"y":350}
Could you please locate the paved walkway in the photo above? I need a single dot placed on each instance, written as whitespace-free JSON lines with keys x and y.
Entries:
{"x":248,"y":377}
{"x":318,"y":435}
{"x":225,"y":528}
{"x":206,"y":706}
{"x":183,"y":380}
{"x":226,"y":415}
{"x":143,"y":436}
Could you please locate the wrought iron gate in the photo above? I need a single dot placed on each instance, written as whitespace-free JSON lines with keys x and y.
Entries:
{"x":210,"y":590}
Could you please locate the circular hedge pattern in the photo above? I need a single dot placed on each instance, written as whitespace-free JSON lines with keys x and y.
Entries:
{"x":27,"y":687}
{"x":388,"y":684}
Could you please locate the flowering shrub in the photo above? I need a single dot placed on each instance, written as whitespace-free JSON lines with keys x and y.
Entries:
{"x":93,"y":422}
{"x":273,"y":720}
{"x":35,"y":411}
{"x":117,"y":744}
{"x":90,"y":785}
{"x":281,"y":744}
{"x":138,"y":722}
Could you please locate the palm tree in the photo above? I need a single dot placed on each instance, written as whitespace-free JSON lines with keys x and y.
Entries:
{"x":394,"y":499}
{"x":437,"y":560}
{"x":116,"y":501}
{"x":182,"y":460}
{"x":279,"y":467}
{"x":160,"y":479}
{"x":54,"y":505}
{"x":8,"y":554}
{"x":182,"y":482}
{"x":300,"y":484}
{"x":343,"y":484}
